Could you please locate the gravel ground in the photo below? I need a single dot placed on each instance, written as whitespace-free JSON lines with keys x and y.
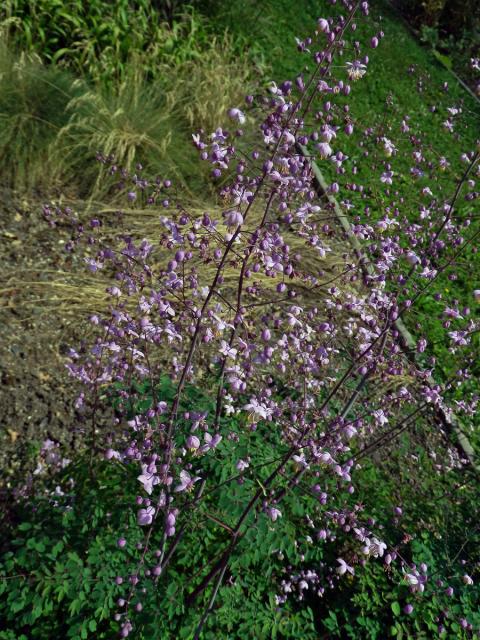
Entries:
{"x":36,"y":395}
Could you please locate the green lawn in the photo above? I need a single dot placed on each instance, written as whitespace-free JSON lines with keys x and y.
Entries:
{"x":387,"y":93}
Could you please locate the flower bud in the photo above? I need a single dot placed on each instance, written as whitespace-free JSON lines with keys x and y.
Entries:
{"x":323,"y":25}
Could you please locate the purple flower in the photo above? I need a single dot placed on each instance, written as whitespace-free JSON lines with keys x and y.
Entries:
{"x":459,"y":338}
{"x":148,"y":478}
{"x":226,"y":350}
{"x":111,"y":453}
{"x":242,"y":465}
{"x":114,"y":291}
{"x":273,"y":513}
{"x":334,"y":187}
{"x":258,"y":410}
{"x":210,"y":442}
{"x":233,"y":219}
{"x":356,"y":70}
{"x":186,"y":481}
{"x":328,"y":133}
{"x":375,"y":547}
{"x":237,"y":115}
{"x":324,"y":149}
{"x":412,"y":258}
{"x":323,"y":25}
{"x":145,"y":516}
{"x":416,"y":582}
{"x":386,"y":177}
{"x":193,"y":442}
{"x":380,"y":417}
{"x":421,"y":345}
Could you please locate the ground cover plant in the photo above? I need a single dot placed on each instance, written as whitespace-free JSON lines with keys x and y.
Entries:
{"x":260,"y":458}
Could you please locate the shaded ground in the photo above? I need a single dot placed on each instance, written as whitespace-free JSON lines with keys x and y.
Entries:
{"x":36,"y":396}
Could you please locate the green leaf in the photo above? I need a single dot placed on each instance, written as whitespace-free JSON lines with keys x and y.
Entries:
{"x":445,"y":60}
{"x":396,"y":608}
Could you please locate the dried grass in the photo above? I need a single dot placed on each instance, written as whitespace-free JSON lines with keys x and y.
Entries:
{"x":75,"y":292}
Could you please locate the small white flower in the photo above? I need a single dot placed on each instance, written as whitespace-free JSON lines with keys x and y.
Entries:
{"x":344,"y":567}
{"x":356,"y":70}
{"x":258,"y":410}
{"x":226,"y":350}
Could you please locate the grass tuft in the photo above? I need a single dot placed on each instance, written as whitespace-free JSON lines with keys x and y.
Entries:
{"x":33,"y":101}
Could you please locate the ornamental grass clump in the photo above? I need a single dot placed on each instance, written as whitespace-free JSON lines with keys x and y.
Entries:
{"x":33,"y":101}
{"x":247,"y":396}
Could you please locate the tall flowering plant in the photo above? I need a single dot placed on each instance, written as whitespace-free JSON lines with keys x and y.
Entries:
{"x":286,"y":326}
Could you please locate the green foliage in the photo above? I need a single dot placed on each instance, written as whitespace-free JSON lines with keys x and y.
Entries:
{"x":134,"y":122}
{"x":33,"y":101}
{"x":59,"y":568}
{"x":57,"y":571}
{"x":152,"y":83}
{"x":371,"y":604}
{"x":98,"y":38}
{"x":57,"y":578}
{"x":376,"y":607}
